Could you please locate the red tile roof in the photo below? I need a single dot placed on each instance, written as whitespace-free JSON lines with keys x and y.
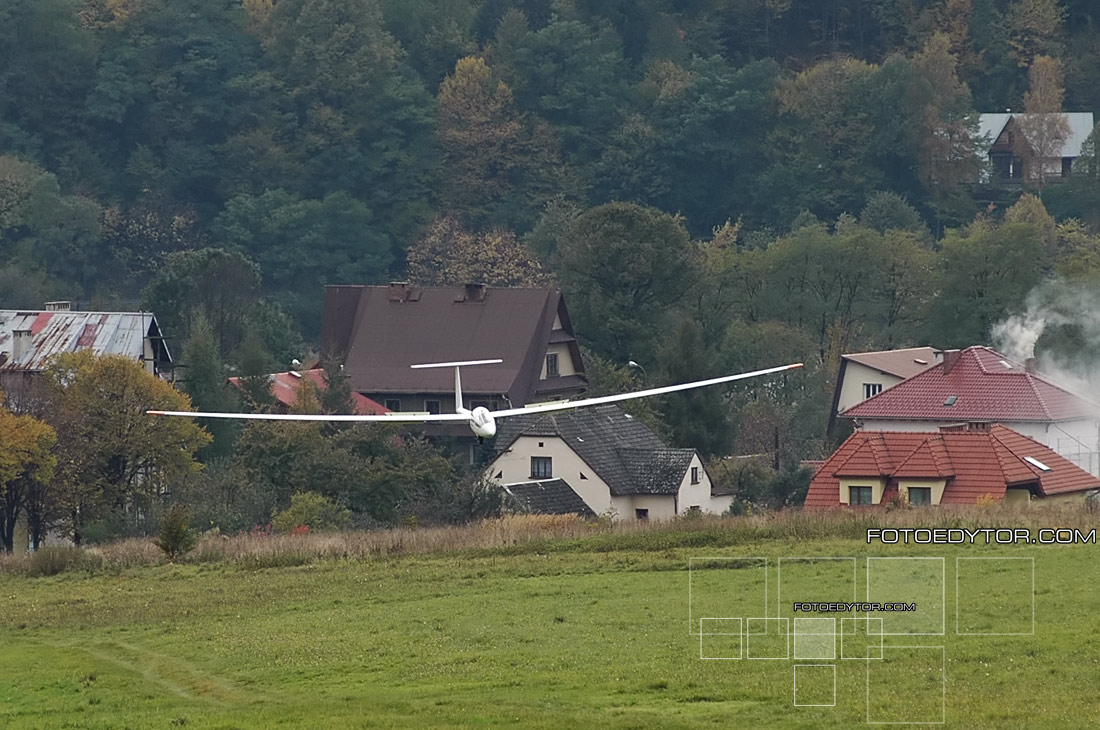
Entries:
{"x":974,"y":463}
{"x":987,"y":388}
{"x":284,"y":388}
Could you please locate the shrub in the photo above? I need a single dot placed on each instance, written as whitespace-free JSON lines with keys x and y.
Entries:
{"x":313,"y":511}
{"x":60,"y":559}
{"x":175,"y":538}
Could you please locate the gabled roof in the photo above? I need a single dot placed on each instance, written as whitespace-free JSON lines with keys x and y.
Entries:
{"x":903,"y":363}
{"x":985,"y":386}
{"x":622,"y":450}
{"x":973,"y":463}
{"x":1080,"y":124}
{"x":54,"y":332}
{"x":550,"y":497}
{"x":284,"y":388}
{"x":382,"y":330}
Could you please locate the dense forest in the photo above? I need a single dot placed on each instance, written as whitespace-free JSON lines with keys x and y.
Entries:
{"x":715,"y":184}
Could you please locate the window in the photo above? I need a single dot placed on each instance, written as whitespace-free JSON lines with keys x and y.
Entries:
{"x":694,"y":475}
{"x":542,"y":467}
{"x":393,"y":404}
{"x":859,"y":495}
{"x":431,"y":406}
{"x":480,"y":404}
{"x":871,"y":389}
{"x":641,"y":514}
{"x":552,"y":365}
{"x":920,"y":495}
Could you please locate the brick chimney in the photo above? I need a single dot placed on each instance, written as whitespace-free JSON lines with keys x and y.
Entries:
{"x":950,"y":358}
{"x":475,"y":293}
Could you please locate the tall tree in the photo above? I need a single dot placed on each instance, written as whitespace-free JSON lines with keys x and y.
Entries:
{"x":450,"y":254}
{"x":1034,"y":29}
{"x":26,"y":463}
{"x":624,"y":268}
{"x":112,"y":454}
{"x":1044,"y":130}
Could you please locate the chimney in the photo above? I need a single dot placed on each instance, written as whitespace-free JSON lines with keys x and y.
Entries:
{"x":475,"y":293}
{"x":399,"y":291}
{"x":20,"y":344}
{"x":59,"y":306}
{"x":950,"y":357}
{"x":1029,"y":365}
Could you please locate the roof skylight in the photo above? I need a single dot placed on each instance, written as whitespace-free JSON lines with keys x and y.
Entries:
{"x":1037,"y":464}
{"x":951,"y":400}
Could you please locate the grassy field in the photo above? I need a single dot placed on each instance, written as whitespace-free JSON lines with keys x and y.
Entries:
{"x":581,"y":632}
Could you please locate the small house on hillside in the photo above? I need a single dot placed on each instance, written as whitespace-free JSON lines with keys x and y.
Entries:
{"x":284,"y":389}
{"x":381,"y":330}
{"x":960,"y":465}
{"x":979,"y":385}
{"x":863,"y":375}
{"x":608,"y":459}
{"x":1012,"y":140}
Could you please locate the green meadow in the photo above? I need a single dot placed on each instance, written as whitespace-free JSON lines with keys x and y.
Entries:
{"x":578,"y":633}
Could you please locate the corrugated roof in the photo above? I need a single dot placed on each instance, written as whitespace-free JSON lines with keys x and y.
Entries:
{"x":284,"y":388}
{"x":974,"y":463}
{"x":382,"y":330}
{"x":1080,"y":124}
{"x":550,"y":497}
{"x":622,"y":450}
{"x":987,"y":388}
{"x":104,"y":333}
{"x":903,"y":363}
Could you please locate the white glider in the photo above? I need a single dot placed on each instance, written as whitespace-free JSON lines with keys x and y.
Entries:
{"x":481,"y":420}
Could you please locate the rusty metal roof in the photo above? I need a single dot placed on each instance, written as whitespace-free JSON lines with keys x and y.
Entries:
{"x":51,"y":333}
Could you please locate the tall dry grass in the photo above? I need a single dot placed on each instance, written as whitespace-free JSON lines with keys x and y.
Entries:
{"x":529,"y":533}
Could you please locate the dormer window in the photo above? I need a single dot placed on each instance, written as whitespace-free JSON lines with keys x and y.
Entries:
{"x":552,"y":365}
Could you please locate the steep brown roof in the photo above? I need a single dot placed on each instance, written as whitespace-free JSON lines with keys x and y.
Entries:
{"x":974,"y":463}
{"x":902,"y":363}
{"x":382,"y":330}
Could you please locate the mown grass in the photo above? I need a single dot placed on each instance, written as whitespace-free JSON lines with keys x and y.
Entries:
{"x":585,"y":630}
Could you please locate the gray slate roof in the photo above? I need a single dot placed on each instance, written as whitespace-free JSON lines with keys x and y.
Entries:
{"x":550,"y":497}
{"x":622,"y":450}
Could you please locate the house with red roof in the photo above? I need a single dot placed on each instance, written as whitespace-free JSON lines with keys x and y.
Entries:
{"x":980,"y":386}
{"x":863,"y":375}
{"x":284,"y":388}
{"x":957,"y":465}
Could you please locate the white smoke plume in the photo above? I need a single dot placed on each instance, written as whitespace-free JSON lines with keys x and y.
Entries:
{"x":1052,"y":305}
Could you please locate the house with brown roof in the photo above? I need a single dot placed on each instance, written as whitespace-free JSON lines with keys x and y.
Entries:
{"x":609,"y":461}
{"x":863,"y":375}
{"x":979,"y":385}
{"x":380,"y":331}
{"x":959,"y":465}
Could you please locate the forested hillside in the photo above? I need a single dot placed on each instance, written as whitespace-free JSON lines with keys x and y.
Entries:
{"x":716,"y":184}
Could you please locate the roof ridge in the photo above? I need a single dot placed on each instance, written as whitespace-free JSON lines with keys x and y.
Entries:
{"x":1042,"y":402}
{"x":1012,"y":452}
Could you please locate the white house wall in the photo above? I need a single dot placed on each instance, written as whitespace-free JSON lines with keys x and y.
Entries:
{"x":699,"y":494}
{"x":515,"y":466}
{"x":855,"y":375}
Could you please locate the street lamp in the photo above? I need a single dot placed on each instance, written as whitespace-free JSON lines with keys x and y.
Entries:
{"x":632,"y":364}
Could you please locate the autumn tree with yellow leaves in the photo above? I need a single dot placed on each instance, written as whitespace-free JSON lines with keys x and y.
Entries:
{"x":26,"y":464}
{"x":112,"y":455}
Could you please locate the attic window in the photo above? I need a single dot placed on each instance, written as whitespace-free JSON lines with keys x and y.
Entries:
{"x":1037,"y":464}
{"x":951,"y":400}
{"x":918,"y":361}
{"x":1006,"y":364}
